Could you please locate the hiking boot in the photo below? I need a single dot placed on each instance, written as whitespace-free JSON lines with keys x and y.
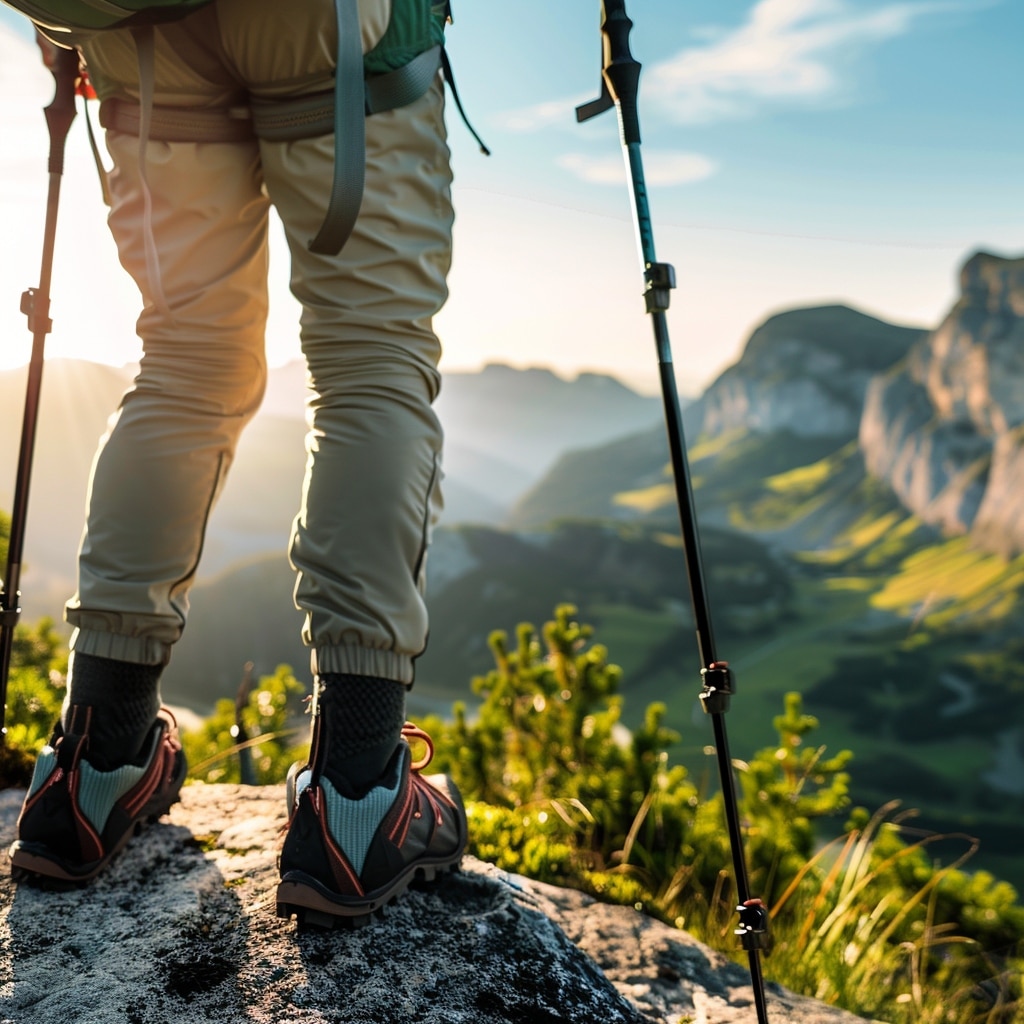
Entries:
{"x":76,"y":818}
{"x":345,"y":857}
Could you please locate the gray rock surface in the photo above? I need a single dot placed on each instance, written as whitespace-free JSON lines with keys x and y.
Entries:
{"x":182,"y":928}
{"x":944,"y":428}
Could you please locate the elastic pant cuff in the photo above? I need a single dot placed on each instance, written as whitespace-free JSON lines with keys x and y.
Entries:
{"x":143,"y":650}
{"x":362,"y":661}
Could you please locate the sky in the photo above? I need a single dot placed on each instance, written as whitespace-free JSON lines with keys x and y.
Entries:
{"x":796,"y":153}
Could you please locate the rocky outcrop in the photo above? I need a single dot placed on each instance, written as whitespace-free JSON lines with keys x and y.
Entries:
{"x":804,"y":371}
{"x":182,"y":928}
{"x":944,"y":427}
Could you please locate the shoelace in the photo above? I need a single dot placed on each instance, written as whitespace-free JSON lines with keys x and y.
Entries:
{"x":410,"y":732}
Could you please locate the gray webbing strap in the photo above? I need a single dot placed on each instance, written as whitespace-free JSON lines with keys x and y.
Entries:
{"x":94,"y":145}
{"x":146,"y":47}
{"x":404,"y":85}
{"x":308,"y":116}
{"x":179,"y":124}
{"x":349,"y":135}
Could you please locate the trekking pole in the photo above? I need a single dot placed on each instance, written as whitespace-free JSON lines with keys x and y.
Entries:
{"x":620,"y":76}
{"x":35,"y":304}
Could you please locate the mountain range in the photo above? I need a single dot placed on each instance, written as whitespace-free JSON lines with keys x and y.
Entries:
{"x":504,"y":429}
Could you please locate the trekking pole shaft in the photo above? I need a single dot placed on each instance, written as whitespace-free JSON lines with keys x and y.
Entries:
{"x":620,"y":80}
{"x":669,"y":390}
{"x":732,"y":821}
{"x":36,"y":306}
{"x":702,"y":617}
{"x":684,"y":494}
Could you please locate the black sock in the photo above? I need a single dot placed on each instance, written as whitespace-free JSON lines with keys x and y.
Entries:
{"x":363,"y":719}
{"x":124,"y":697}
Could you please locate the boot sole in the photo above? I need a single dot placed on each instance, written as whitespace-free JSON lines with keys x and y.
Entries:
{"x":313,"y":905}
{"x":42,"y":870}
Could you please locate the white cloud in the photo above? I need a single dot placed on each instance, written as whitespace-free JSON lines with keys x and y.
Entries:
{"x":552,"y":112}
{"x":786,"y":51}
{"x":661,"y":167}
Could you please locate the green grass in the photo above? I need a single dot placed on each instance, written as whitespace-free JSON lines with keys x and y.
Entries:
{"x":951,"y":581}
{"x":648,"y":499}
{"x":832,"y":618}
{"x":804,"y":479}
{"x":632,"y":632}
{"x":716,"y":447}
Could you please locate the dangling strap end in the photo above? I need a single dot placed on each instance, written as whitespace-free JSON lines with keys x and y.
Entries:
{"x":94,"y":146}
{"x":146,"y":51}
{"x":446,"y":67}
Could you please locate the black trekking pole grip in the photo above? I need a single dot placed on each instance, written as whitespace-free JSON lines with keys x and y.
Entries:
{"x":35,"y":304}
{"x":620,"y":73}
{"x":620,"y":70}
{"x":61,"y":110}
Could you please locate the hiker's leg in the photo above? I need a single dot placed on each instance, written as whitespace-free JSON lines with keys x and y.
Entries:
{"x":163,"y":461}
{"x":115,"y":761}
{"x":374,"y":446}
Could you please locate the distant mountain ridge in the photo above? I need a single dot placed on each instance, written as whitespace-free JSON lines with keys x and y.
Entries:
{"x":504,"y":427}
{"x":936,"y":415}
{"x":799,"y":384}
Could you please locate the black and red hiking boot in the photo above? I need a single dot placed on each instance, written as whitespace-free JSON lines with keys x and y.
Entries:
{"x":76,"y":819}
{"x":345,"y":857}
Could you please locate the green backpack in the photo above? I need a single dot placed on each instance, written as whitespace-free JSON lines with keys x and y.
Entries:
{"x":415,"y":26}
{"x":60,"y":16}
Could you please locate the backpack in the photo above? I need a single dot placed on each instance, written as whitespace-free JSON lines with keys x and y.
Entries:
{"x":64,"y":16}
{"x":398,"y":70}
{"x":414,"y":27}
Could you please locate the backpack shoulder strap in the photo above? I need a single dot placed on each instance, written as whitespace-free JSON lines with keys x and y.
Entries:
{"x":349,"y":135}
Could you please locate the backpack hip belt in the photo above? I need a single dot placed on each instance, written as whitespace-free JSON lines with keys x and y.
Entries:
{"x":302,"y":117}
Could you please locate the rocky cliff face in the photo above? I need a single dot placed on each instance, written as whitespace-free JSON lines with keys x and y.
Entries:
{"x":944,"y":427}
{"x":804,"y":371}
{"x":182,"y":928}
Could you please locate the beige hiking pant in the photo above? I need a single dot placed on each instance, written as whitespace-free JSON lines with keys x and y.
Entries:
{"x":374,"y":443}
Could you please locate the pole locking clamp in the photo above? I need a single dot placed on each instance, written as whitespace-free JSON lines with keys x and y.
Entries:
{"x":36,"y":307}
{"x":718,"y":688}
{"x":659,"y":280}
{"x":754,"y":929}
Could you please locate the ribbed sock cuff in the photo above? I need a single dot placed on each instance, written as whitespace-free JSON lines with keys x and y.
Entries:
{"x":364,"y":716}
{"x":124,"y":697}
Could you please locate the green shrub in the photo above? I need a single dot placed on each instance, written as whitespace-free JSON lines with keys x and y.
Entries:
{"x":35,"y":692}
{"x":560,"y":790}
{"x":268,"y":720}
{"x":548,"y":761}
